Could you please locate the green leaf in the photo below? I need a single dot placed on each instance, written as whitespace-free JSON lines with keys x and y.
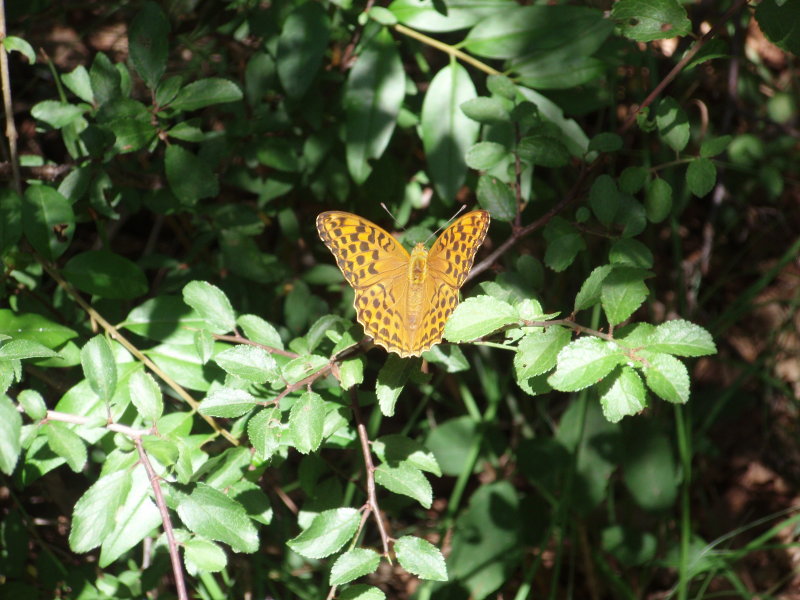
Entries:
{"x":354,"y":564}
{"x":622,"y":292}
{"x":405,"y":480}
{"x":630,"y":252}
{"x":361,"y":591}
{"x":391,"y":379}
{"x":105,"y":274}
{"x":133,"y":521}
{"x":79,"y":83}
{"x":264,"y":431}
{"x":605,"y":142}
{"x":99,"y":367}
{"x":205,"y":92}
{"x":666,"y":376}
{"x":421,"y":558}
{"x":19,"y":349}
{"x":629,"y":545}
{"x":10,"y":431}
{"x":351,"y":372}
{"x":604,"y":199}
{"x":260,"y":331}
{"x":302,"y":44}
{"x":373,"y":95}
{"x":228,"y":403}
{"x":106,"y":79}
{"x":712,"y":146}
{"x":622,"y":395}
{"x":658,"y":202}
{"x":397,"y":449}
{"x":189,"y":177}
{"x":48,"y":221}
{"x":701,"y":176}
{"x":58,"y":114}
{"x":543,"y":150}
{"x":205,"y":555}
{"x":94,"y":513}
{"x":306,"y":422}
{"x":145,"y":395}
{"x":563,"y":244}
{"x":211,"y":304}
{"x":329,"y":531}
{"x":211,"y":514}
{"x":485,"y":155}
{"x":33,"y":404}
{"x":382,"y":15}
{"x":584,"y":362}
{"x":682,"y":338}
{"x":67,"y":444}
{"x":477,"y":317}
{"x":538,"y":350}
{"x":428,"y":15}
{"x":649,"y":468}
{"x":487,"y":111}
{"x":496,"y":197}
{"x":250,"y":363}
{"x":632,"y":179}
{"x":149,"y":44}
{"x":13,"y":43}
{"x":778,"y":20}
{"x":278,"y":153}
{"x":673,"y":124}
{"x":451,"y":442}
{"x":447,"y":133}
{"x":648,"y":20}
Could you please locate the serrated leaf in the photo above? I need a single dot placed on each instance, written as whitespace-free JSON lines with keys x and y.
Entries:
{"x":496,"y":196}
{"x":148,"y":43}
{"x":260,"y":331}
{"x":622,"y":395}
{"x":211,"y":304}
{"x":228,"y":403}
{"x":666,"y":376}
{"x":584,"y":362}
{"x":622,"y":292}
{"x":538,"y":350}
{"x":354,"y":564}
{"x":189,"y":176}
{"x":264,"y":431}
{"x":145,"y":395}
{"x":99,"y":367}
{"x":477,"y":317}
{"x":351,"y":372}
{"x":93,"y":515}
{"x":361,"y":591}
{"x":105,"y":274}
{"x":630,"y":252}
{"x":329,"y":531}
{"x":48,"y":220}
{"x":604,"y":199}
{"x":21,"y":348}
{"x":648,"y":20}
{"x":485,"y":155}
{"x":33,"y":404}
{"x":682,"y":338}
{"x":701,"y":175}
{"x":391,"y":379}
{"x":307,"y":421}
{"x":397,"y":449}
{"x":673,"y":124}
{"x":563,"y":244}
{"x":421,"y":558}
{"x":205,"y":555}
{"x":250,"y":363}
{"x":486,"y":110}
{"x":211,"y":514}
{"x":10,"y":430}
{"x":405,"y":480}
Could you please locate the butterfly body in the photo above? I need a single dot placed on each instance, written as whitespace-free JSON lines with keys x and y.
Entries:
{"x":403,"y":300}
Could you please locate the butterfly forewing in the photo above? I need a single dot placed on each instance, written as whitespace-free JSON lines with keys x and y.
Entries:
{"x":453,"y":253}
{"x":364,"y":252}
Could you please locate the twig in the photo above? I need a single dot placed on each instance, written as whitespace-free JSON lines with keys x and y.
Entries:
{"x":177,"y":568}
{"x":61,"y":417}
{"x":682,"y":63}
{"x":371,"y":505}
{"x":11,"y":129}
{"x":447,"y":49}
{"x":114,"y":333}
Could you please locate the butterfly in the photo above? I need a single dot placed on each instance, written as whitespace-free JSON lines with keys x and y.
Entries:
{"x":403,"y":300}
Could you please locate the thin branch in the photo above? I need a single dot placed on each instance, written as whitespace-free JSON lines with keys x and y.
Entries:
{"x":11,"y":129}
{"x":61,"y":417}
{"x":174,"y":556}
{"x":114,"y":333}
{"x":710,"y":34}
{"x":447,"y":49}
{"x":369,"y":467}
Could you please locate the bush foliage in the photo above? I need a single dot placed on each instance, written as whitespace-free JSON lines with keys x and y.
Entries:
{"x":184,"y":378}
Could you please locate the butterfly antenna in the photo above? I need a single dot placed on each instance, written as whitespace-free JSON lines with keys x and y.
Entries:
{"x":450,"y":220}
{"x":388,"y":212}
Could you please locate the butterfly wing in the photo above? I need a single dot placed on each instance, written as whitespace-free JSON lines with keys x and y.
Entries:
{"x":452,"y":254}
{"x":364,"y":252}
{"x":375,"y":264}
